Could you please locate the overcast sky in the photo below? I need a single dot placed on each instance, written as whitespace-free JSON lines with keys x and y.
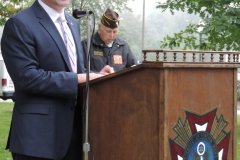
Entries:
{"x":137,"y":5}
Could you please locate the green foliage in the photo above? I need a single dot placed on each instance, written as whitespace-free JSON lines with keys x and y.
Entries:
{"x":238,"y":137}
{"x":10,"y":7}
{"x":98,"y":7}
{"x":184,"y":37}
{"x":220,"y":22}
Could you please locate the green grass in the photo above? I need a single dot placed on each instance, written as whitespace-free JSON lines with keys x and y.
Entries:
{"x":5,"y":118}
{"x":238,"y":137}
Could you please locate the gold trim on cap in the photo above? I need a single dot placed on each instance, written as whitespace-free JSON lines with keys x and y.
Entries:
{"x":103,"y":20}
{"x":110,"y":18}
{"x":112,"y":22}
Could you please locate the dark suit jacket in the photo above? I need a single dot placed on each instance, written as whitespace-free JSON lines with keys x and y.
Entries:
{"x":45,"y":87}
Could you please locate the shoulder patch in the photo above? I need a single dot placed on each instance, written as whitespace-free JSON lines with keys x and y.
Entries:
{"x":117,"y":59}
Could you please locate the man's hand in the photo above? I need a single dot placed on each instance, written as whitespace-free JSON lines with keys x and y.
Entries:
{"x":107,"y":70}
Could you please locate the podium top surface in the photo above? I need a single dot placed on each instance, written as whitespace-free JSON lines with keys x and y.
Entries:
{"x":167,"y":65}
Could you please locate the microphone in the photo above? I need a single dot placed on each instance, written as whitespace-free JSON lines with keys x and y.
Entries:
{"x":78,"y":13}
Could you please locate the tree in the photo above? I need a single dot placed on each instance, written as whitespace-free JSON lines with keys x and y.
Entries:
{"x":220,"y":23}
{"x":98,"y":7}
{"x":9,"y":7}
{"x":130,"y":30}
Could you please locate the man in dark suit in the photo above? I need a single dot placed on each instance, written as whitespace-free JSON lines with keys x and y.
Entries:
{"x":47,"y":114}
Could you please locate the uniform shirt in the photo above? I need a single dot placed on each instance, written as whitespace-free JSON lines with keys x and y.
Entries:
{"x":119,"y":56}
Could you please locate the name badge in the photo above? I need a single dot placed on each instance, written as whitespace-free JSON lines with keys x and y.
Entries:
{"x":97,"y":53}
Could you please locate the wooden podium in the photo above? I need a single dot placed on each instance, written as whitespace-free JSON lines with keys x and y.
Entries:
{"x":165,"y":111}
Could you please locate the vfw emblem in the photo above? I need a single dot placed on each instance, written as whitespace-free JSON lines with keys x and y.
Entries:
{"x":117,"y":59}
{"x":200,"y":137}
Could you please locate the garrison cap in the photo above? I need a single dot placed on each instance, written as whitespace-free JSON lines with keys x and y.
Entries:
{"x":110,"y":19}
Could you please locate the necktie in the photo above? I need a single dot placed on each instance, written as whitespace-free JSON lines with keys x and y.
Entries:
{"x":68,"y":44}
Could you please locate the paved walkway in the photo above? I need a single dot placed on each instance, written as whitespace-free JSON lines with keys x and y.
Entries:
{"x":9,"y":100}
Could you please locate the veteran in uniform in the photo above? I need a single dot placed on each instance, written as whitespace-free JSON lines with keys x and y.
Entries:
{"x":106,"y":48}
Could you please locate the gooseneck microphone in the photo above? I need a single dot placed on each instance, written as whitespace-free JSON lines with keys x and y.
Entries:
{"x":78,"y":13}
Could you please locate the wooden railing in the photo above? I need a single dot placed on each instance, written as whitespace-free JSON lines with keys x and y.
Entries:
{"x":190,"y":56}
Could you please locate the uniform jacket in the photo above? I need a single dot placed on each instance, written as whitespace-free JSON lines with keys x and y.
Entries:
{"x":45,"y":86}
{"x":119,"y":56}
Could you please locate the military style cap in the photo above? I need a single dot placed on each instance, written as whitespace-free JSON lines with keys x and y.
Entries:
{"x":110,"y":19}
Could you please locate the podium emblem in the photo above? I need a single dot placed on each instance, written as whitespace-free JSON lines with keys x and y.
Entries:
{"x":200,"y":137}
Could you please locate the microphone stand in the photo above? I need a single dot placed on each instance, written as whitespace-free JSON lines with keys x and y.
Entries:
{"x":86,"y":145}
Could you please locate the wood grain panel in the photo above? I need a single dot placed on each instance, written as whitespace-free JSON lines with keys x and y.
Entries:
{"x":132,"y":112}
